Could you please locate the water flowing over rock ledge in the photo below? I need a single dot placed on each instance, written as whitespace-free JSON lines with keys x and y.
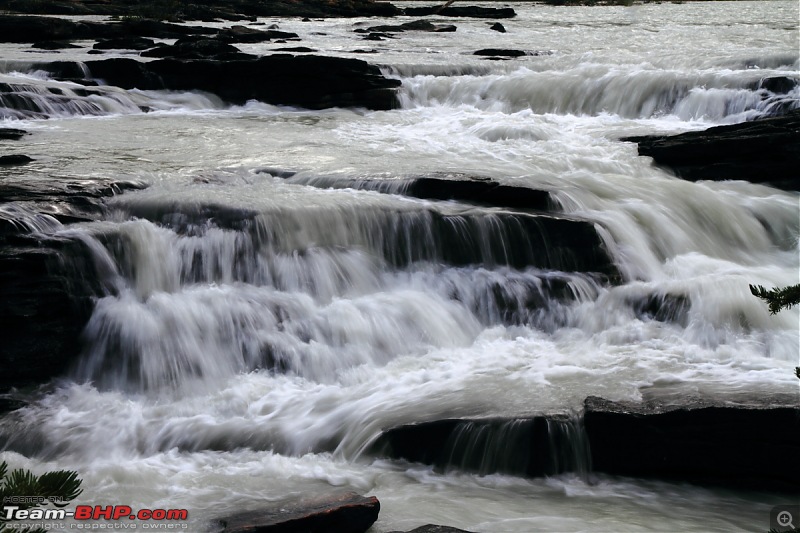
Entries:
{"x":708,"y":443}
{"x":762,"y":151}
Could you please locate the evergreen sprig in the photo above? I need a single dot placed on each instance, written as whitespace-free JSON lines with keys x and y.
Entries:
{"x":58,"y":487}
{"x":778,"y":299}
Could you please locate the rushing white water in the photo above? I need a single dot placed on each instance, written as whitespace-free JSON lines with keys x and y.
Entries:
{"x":259,"y":332}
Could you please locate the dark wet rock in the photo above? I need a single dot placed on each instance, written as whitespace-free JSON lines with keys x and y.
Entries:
{"x":17,"y":29}
{"x":498,"y":27}
{"x":64,"y":200}
{"x":313,"y":82}
{"x":243,"y":34}
{"x":378,"y":36}
{"x":460,"y":187}
{"x":341,"y":513}
{"x":500,"y":52}
{"x":153,"y":28}
{"x":94,"y":52}
{"x":433,"y":528}
{"x":778,"y":84}
{"x":416,"y":25}
{"x":14,"y":159}
{"x":12,"y":134}
{"x":464,"y":11}
{"x":298,"y":49}
{"x":751,"y":446}
{"x":125,"y":43}
{"x":45,"y":302}
{"x":531,"y":447}
{"x":54,"y":45}
{"x":194,"y":48}
{"x":761,"y":151}
{"x":46,"y":283}
{"x":30,"y":29}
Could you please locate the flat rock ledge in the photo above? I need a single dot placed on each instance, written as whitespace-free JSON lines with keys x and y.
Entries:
{"x":340,"y":513}
{"x":733,"y":445}
{"x":762,"y":151}
{"x":309,"y":81}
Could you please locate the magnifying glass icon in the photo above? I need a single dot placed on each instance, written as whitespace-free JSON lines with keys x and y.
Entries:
{"x":785,"y":519}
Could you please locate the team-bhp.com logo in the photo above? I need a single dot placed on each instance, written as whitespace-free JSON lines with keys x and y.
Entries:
{"x":16,"y":517}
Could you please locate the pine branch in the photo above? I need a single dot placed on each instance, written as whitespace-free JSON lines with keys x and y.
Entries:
{"x":778,"y":299}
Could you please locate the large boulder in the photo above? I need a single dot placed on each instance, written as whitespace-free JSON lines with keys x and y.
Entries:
{"x":761,"y":151}
{"x":745,"y":445}
{"x":309,"y":81}
{"x":47,"y":282}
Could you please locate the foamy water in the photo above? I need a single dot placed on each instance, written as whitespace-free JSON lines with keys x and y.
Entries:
{"x":259,"y":332}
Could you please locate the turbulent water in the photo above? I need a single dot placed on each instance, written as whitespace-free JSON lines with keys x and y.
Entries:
{"x":259,"y":331}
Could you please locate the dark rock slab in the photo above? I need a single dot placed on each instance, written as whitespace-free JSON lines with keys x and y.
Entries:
{"x":309,"y":81}
{"x":30,"y":29}
{"x":197,"y":48}
{"x":296,"y":49}
{"x":500,"y":52}
{"x":12,"y":134}
{"x":463,"y":11}
{"x":762,"y":151}
{"x":14,"y":159}
{"x":498,"y":27}
{"x":750,"y":446}
{"x":778,"y":84}
{"x":45,"y":302}
{"x":243,"y":34}
{"x":342,"y":513}
{"x":65,"y":200}
{"x":416,"y":25}
{"x":47,"y":283}
{"x":476,"y":190}
{"x":234,"y":10}
{"x":54,"y":45}
{"x":17,"y":29}
{"x":531,"y":447}
{"x":125,"y":43}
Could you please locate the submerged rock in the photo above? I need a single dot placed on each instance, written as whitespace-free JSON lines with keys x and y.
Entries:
{"x":342,"y":513}
{"x":761,"y":151}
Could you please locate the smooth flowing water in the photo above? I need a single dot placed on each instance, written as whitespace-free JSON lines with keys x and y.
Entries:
{"x":259,"y":331}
